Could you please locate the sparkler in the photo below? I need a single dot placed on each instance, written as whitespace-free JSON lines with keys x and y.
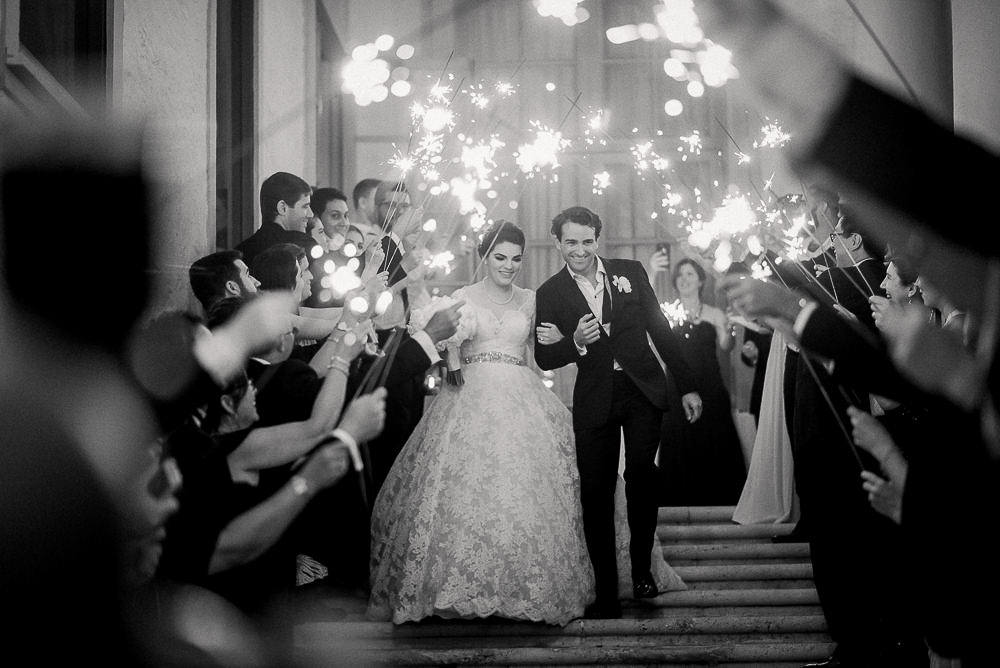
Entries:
{"x":543,"y":152}
{"x":675,"y":313}
{"x":568,"y":11}
{"x":601,"y":181}
{"x":772,"y":136}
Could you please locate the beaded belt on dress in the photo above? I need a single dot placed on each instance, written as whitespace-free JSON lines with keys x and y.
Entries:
{"x":504,"y":358}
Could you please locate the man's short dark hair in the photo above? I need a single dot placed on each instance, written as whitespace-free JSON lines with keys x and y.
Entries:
{"x":848,"y":226}
{"x":580,"y":215}
{"x":386,"y":189}
{"x":209,"y":275}
{"x":362,"y":189}
{"x":323,"y":196}
{"x":280,"y":187}
{"x":276,"y":267}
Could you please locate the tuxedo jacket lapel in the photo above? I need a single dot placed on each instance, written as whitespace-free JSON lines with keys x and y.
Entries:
{"x":571,"y":293}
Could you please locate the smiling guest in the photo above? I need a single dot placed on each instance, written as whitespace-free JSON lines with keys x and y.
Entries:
{"x":285,"y":214}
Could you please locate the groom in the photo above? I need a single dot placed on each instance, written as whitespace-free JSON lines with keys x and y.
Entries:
{"x":610,"y":308}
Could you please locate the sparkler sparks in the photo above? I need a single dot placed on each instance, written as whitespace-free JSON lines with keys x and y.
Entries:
{"x":442,"y":260}
{"x":504,"y":89}
{"x":568,"y":11}
{"x":674,"y":312}
{"x":693,"y":142}
{"x":602,"y":180}
{"x":438,"y":118}
{"x":772,"y":136}
{"x":543,"y":152}
{"x":760,"y":270}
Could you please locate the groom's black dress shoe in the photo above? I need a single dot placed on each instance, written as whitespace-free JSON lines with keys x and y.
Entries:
{"x":644,"y":587}
{"x":600,"y":610}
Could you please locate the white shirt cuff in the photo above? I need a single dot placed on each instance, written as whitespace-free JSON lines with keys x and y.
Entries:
{"x":802,"y":319}
{"x":424,"y":339}
{"x":580,"y":349}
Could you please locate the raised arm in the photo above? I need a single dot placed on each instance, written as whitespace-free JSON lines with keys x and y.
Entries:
{"x":249,"y":535}
{"x":272,"y":446}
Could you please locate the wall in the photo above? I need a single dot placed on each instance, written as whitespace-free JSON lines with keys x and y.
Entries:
{"x":976,"y":69}
{"x":165,"y":74}
{"x":286,"y":85}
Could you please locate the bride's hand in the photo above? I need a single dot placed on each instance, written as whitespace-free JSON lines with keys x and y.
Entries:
{"x":547,"y":334}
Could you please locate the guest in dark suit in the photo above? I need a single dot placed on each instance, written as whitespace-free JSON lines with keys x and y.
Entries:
{"x":415,"y":354}
{"x":609,"y":308}
{"x":852,"y":547}
{"x":285,"y":212}
{"x":219,"y":275}
{"x":399,"y":226}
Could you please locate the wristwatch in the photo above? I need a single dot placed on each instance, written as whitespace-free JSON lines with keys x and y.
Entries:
{"x":300,"y":486}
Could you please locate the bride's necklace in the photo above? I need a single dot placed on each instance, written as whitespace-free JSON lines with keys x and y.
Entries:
{"x":490,"y":297}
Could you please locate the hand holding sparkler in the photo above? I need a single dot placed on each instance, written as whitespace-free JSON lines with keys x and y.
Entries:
{"x":363,"y":420}
{"x":374,"y":256}
{"x":760,"y":299}
{"x":885,"y":312}
{"x":660,"y":261}
{"x":351,"y":343}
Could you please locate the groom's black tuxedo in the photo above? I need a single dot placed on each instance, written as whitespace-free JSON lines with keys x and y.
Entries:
{"x":607,"y":402}
{"x":634,"y":314}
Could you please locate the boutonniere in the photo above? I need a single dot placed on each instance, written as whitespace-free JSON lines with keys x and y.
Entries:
{"x":820,"y":268}
{"x":622,"y":283}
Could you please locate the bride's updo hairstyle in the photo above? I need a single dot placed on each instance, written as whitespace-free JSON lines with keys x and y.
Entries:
{"x":499,"y":232}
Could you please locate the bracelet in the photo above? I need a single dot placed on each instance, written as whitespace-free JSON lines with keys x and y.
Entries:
{"x":352,"y":446}
{"x":340,"y":364}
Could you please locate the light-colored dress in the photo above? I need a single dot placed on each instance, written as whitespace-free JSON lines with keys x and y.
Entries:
{"x":769,"y":493}
{"x":480,"y":514}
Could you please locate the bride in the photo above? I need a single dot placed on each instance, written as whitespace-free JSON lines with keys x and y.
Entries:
{"x":480,"y":514}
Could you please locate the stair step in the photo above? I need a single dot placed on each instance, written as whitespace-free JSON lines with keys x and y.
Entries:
{"x":557,"y":642}
{"x":612,"y":654}
{"x":736,"y":551}
{"x":581,"y":628}
{"x":749,"y":584}
{"x":648,"y":612}
{"x":681,"y":533}
{"x":699,"y":573}
{"x":695,"y":514}
{"x":729,"y":597}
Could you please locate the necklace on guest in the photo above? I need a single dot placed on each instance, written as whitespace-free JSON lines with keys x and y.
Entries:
{"x":503,"y":303}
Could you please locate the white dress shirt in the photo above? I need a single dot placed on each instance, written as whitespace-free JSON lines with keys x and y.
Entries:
{"x":594,"y":295}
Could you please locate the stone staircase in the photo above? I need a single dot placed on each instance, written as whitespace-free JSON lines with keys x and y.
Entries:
{"x":749,"y":602}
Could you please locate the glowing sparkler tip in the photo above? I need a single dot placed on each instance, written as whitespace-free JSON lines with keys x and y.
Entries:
{"x":673,"y":107}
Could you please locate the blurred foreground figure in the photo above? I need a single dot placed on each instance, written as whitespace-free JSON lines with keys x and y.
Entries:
{"x":83,"y":490}
{"x":872,"y":147}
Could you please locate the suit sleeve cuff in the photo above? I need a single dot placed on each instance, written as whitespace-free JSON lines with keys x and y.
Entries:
{"x":424,"y":339}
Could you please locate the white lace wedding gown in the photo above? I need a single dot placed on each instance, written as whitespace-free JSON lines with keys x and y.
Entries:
{"x":480,"y":514}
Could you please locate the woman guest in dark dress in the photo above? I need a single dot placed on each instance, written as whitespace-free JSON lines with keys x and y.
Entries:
{"x":701,"y":463}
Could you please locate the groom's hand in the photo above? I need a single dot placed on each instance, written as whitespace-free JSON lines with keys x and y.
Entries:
{"x":587,"y":331}
{"x":692,"y":406}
